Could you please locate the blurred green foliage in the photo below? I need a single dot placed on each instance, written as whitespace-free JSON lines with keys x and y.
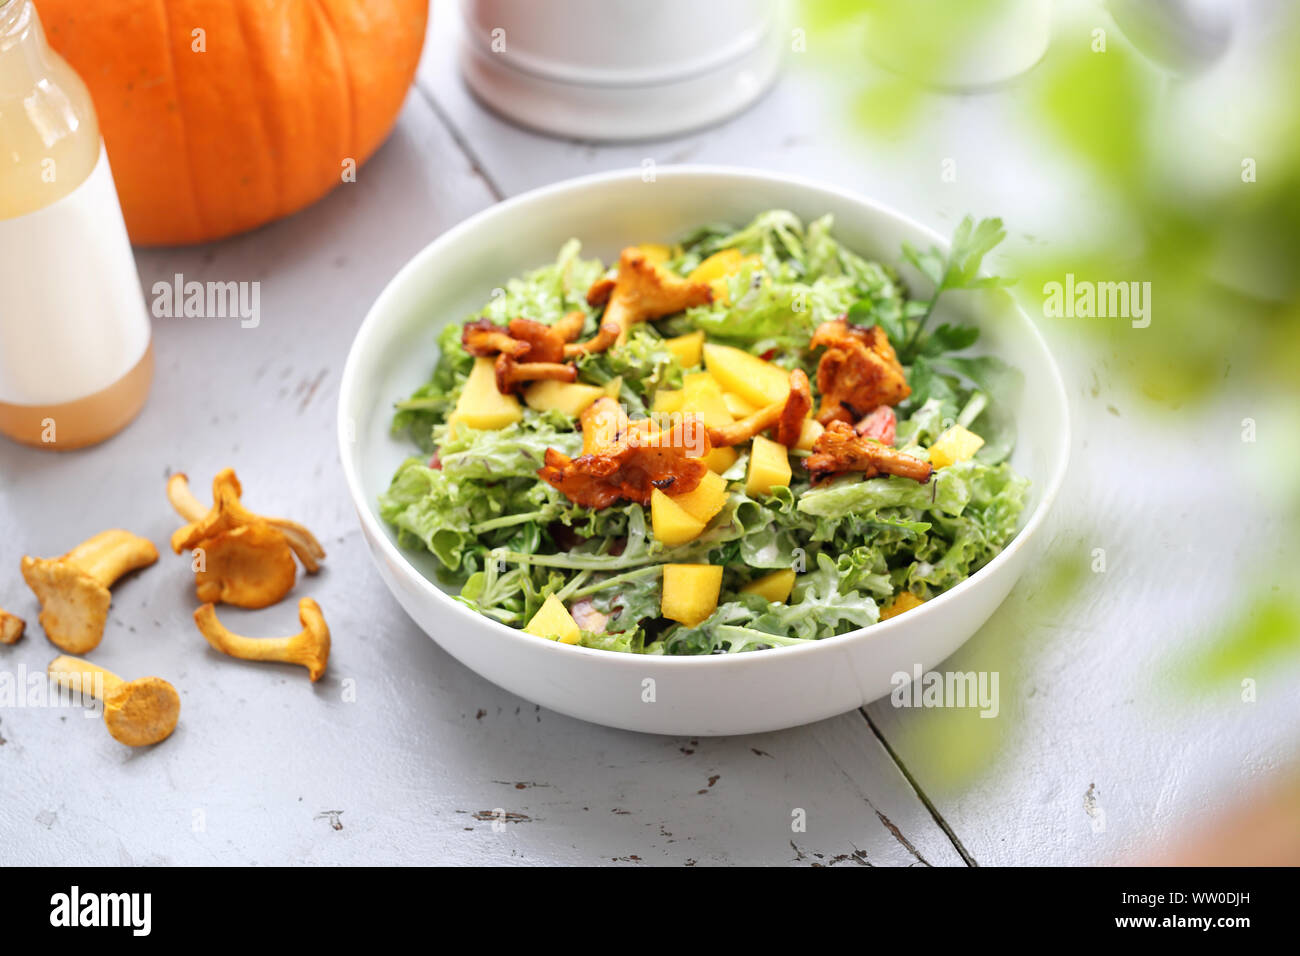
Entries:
{"x":1203,"y":203}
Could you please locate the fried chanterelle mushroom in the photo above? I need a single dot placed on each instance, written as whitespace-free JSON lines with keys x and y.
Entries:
{"x":11,"y":627}
{"x":240,"y":558}
{"x":640,"y":291}
{"x":840,"y":448}
{"x":858,"y":372}
{"x":628,"y":460}
{"x":786,"y":416}
{"x":73,"y":589}
{"x":525,"y":350}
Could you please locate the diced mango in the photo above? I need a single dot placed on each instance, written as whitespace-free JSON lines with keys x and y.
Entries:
{"x":702,"y":395}
{"x":687,"y":348}
{"x":706,"y":499}
{"x":769,"y":467}
{"x":668,"y":400}
{"x":480,"y":405}
{"x":954,"y":445}
{"x":758,"y":382}
{"x":903,"y":601}
{"x":810,"y":432}
{"x":614,"y":387}
{"x":656,"y":252}
{"x":776,"y":587}
{"x":673,"y":524}
{"x":717,"y":266}
{"x":721,"y":458}
{"x":571,"y":398}
{"x":690,"y":592}
{"x":553,"y":622}
{"x":738,"y":407}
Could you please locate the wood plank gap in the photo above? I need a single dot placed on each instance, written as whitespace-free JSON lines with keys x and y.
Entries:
{"x":916,"y":788}
{"x":471,"y":155}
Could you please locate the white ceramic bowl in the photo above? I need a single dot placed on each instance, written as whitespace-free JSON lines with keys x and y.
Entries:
{"x":725,"y":694}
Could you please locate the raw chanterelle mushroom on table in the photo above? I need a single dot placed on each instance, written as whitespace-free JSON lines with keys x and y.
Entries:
{"x":137,"y":713}
{"x":73,"y":589}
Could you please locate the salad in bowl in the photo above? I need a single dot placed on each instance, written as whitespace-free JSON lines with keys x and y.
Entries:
{"x":751,"y":438}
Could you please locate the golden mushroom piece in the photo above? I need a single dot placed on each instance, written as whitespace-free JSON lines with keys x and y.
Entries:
{"x":228,"y":512}
{"x":248,"y":567}
{"x":310,"y":647}
{"x":640,"y":291}
{"x":11,"y":627}
{"x":73,"y":589}
{"x":241,"y":558}
{"x":137,"y":713}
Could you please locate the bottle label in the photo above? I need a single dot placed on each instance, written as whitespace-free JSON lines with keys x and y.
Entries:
{"x":72,"y":316}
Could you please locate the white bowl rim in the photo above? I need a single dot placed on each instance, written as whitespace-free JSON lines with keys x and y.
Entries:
{"x":376,"y":532}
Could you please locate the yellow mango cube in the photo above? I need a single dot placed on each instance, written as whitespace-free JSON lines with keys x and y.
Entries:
{"x":480,"y":405}
{"x":673,"y":524}
{"x":702,"y":395}
{"x":707,"y":498}
{"x":954,"y":445}
{"x":572,"y":398}
{"x":776,"y":587}
{"x":717,"y":266}
{"x":668,"y":400}
{"x":656,"y":252}
{"x":721,"y":458}
{"x":758,"y":382}
{"x":738,"y":407}
{"x":554,"y":622}
{"x":690,"y":592}
{"x":808,"y":434}
{"x":903,"y":601}
{"x":687,"y":348}
{"x":769,"y":467}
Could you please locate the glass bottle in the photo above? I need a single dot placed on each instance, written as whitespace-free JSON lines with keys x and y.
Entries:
{"x":75,"y":349}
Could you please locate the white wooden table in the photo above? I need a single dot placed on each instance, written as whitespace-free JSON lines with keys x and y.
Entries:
{"x":401,"y":755}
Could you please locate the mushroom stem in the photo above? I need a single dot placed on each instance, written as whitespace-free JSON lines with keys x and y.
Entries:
{"x":510,"y":373}
{"x":110,"y":554}
{"x":747,"y":427}
{"x":182,"y":499}
{"x":310,"y":647}
{"x":570,"y":326}
{"x":83,"y":676}
{"x":786,"y":415}
{"x":605,"y":336}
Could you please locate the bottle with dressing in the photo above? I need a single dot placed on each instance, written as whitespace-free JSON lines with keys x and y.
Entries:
{"x":75,"y":352}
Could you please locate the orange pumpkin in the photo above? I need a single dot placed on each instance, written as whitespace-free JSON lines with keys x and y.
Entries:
{"x":221,"y":115}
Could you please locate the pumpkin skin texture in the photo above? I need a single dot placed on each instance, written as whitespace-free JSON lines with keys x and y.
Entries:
{"x":258,"y":125}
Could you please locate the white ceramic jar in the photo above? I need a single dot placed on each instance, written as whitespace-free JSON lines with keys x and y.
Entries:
{"x":620,"y":69}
